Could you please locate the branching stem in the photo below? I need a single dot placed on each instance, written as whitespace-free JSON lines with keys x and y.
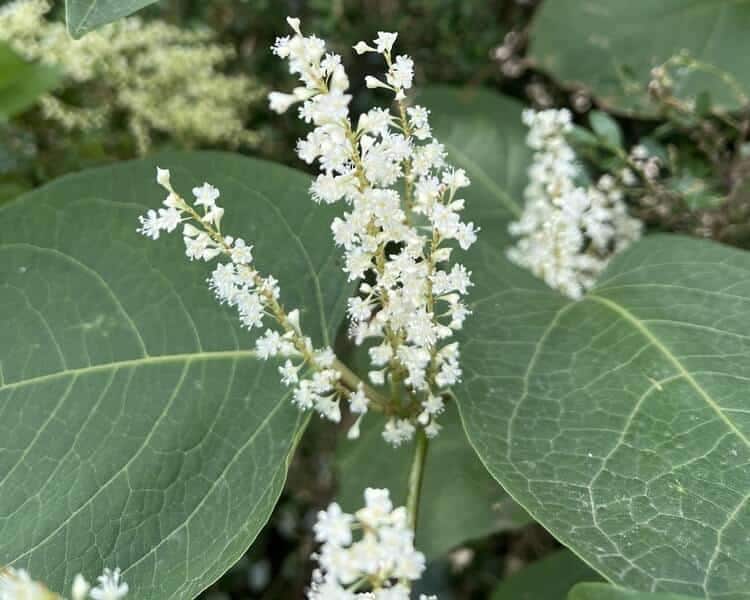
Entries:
{"x":352,"y":381}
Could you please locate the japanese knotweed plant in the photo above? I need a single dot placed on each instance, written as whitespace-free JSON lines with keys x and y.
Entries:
{"x":151,"y":406}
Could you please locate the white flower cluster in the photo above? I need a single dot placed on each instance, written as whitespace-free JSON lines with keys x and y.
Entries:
{"x":157,"y":76}
{"x":238,"y":284}
{"x":380,"y":565}
{"x":568,"y":231}
{"x":17,"y":584}
{"x":402,"y":208}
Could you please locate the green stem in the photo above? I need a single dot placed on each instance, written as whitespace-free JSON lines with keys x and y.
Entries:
{"x":416,"y":476}
{"x":352,"y":381}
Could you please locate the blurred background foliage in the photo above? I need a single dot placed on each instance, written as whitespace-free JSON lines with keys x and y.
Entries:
{"x":702,"y":188}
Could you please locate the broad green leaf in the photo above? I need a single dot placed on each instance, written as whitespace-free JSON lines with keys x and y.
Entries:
{"x":610,"y":47}
{"x":602,"y":591}
{"x":460,"y":500}
{"x":85,"y":15}
{"x":620,"y":422}
{"x":547,"y":579}
{"x":137,"y":427}
{"x":21,"y":83}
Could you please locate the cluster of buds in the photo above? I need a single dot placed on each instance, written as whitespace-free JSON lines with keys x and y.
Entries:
{"x":403,"y":209}
{"x":660,"y":84}
{"x":647,"y":166}
{"x":508,"y":54}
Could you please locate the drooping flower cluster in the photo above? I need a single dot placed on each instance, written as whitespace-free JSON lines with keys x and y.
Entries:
{"x":402,"y":209}
{"x":17,"y":584}
{"x":159,"y":77}
{"x":237,"y":283}
{"x":380,"y":565}
{"x":567,"y":231}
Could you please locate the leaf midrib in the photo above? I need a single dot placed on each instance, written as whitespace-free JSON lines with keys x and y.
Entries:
{"x":187,"y":357}
{"x":654,"y":341}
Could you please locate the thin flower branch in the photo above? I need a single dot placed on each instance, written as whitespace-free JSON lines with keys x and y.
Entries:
{"x":317,"y":383}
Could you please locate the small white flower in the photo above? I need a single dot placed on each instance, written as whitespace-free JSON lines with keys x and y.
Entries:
{"x":206,"y":195}
{"x":432,"y":429}
{"x":325,"y":357}
{"x":334,"y":526}
{"x":384,"y":42}
{"x":170,"y":218}
{"x":358,"y":401}
{"x":398,"y":431}
{"x":241,"y":253}
{"x":288,"y":373}
{"x":294,"y":23}
{"x":280,"y":103}
{"x":150,"y":224}
{"x":163,"y":178}
{"x":269,"y":344}
{"x":81,"y":587}
{"x":362,"y":47}
{"x":373,"y":82}
{"x":16,"y":584}
{"x":110,"y":586}
{"x":401,"y":74}
{"x":353,"y":432}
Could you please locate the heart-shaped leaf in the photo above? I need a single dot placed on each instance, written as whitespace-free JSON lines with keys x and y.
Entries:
{"x":137,"y":428}
{"x":620,"y":422}
{"x":85,"y":15}
{"x":609,"y":47}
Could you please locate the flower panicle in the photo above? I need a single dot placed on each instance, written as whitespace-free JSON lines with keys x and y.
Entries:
{"x":568,"y":230}
{"x":401,"y":221}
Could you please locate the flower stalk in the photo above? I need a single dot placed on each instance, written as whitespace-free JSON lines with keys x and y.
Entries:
{"x":416,"y":478}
